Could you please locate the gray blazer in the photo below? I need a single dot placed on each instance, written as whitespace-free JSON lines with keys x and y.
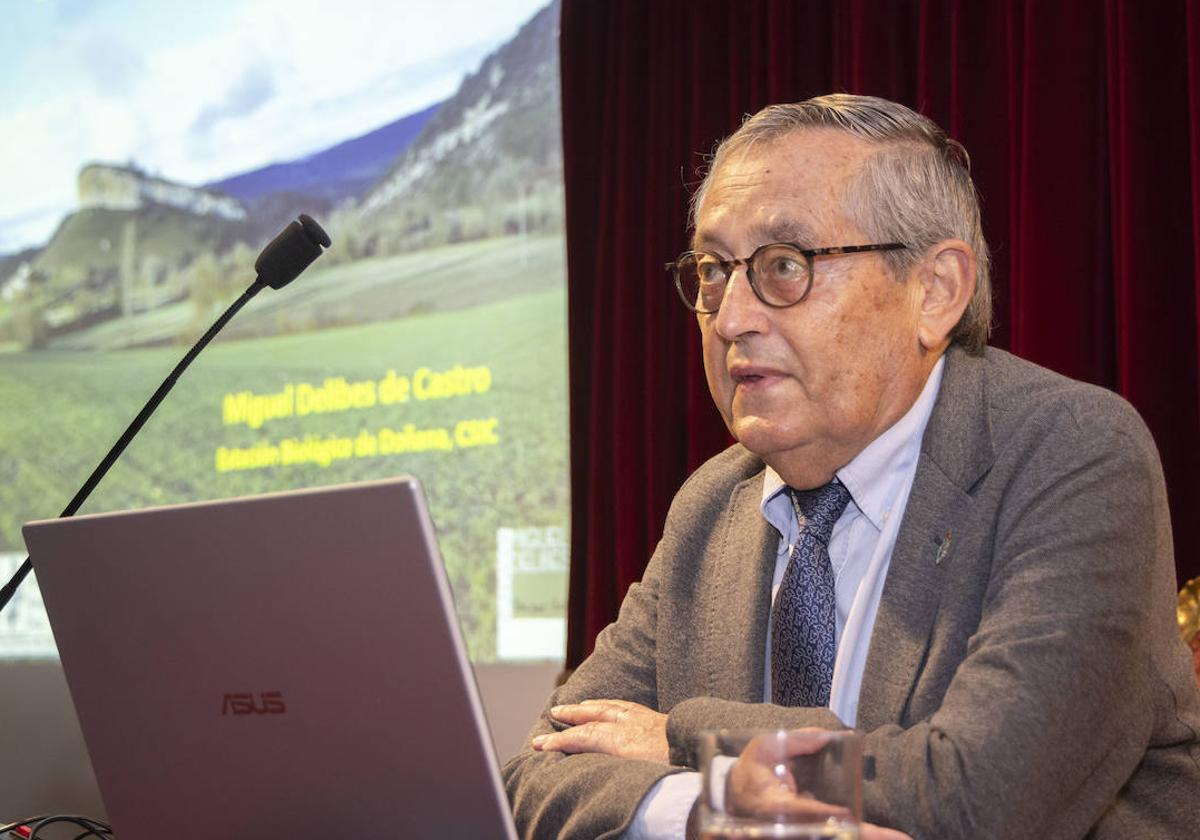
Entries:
{"x":1025,"y":679}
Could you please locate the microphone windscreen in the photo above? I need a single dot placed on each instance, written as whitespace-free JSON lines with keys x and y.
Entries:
{"x":292,"y":251}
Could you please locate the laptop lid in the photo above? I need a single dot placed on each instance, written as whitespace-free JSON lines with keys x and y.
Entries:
{"x":280,"y":665}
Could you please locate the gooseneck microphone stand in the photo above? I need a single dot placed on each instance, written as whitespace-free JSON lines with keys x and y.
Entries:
{"x":281,"y":262}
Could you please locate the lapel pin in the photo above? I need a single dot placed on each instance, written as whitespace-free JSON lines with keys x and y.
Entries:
{"x":943,"y":548}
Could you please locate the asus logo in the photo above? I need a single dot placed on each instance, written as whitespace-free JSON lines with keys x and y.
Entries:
{"x":244,"y":703}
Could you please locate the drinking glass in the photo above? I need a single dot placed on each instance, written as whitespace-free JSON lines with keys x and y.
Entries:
{"x":803,"y":784}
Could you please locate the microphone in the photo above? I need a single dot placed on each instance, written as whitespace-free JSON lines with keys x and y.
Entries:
{"x":289,"y":253}
{"x":282,"y":261}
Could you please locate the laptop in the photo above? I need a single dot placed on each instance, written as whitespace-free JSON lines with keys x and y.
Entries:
{"x":284,"y":665}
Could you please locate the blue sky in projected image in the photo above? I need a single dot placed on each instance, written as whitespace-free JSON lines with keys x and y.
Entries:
{"x":199,"y":91}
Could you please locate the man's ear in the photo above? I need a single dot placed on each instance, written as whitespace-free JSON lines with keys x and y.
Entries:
{"x":947,"y":278}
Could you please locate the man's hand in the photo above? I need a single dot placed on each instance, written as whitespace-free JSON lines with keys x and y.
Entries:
{"x":759,"y":785}
{"x":613,"y":727}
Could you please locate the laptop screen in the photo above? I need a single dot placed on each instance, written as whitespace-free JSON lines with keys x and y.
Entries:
{"x":289,"y":664}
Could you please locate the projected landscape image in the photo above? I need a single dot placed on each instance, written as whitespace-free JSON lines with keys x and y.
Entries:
{"x":430,"y":340}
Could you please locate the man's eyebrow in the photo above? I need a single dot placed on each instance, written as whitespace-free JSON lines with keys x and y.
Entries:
{"x":708,"y":242}
{"x":782,"y":230}
{"x":776,"y":230}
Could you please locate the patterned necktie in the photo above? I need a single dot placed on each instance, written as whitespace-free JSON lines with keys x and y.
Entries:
{"x":804,"y":617}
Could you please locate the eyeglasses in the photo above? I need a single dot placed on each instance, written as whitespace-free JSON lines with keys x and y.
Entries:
{"x":780,"y":273}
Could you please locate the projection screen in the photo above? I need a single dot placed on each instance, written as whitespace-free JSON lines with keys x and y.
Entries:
{"x":149,"y":150}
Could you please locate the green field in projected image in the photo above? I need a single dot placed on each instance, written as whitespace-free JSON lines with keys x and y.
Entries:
{"x":448,"y":388}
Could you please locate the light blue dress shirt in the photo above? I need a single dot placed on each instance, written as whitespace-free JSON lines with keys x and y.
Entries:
{"x":879,"y":480}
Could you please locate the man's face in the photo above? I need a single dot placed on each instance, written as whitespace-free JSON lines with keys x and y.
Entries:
{"x":809,"y":386}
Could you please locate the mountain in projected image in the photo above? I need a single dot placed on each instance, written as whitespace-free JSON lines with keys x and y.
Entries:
{"x":334,"y":174}
{"x":488,"y":163}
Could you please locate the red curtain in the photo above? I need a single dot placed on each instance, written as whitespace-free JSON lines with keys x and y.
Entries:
{"x":1083,"y":124}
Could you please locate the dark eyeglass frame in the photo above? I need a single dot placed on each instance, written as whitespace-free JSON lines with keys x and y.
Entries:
{"x":728,"y":266}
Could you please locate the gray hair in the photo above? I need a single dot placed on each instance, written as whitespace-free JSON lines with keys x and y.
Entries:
{"x":916,"y":189}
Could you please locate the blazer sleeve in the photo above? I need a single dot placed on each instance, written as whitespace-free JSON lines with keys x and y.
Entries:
{"x":596,"y":796}
{"x":589,"y":796}
{"x":1051,"y":708}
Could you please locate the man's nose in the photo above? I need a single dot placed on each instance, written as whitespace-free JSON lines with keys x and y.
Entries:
{"x":741,"y":311}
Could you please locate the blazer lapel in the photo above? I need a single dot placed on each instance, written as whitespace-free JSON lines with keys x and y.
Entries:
{"x":736,"y":631}
{"x":955,"y":452}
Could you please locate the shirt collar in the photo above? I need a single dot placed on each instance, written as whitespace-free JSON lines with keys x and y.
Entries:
{"x":877,"y":475}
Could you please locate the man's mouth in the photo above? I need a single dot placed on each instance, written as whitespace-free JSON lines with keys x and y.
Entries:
{"x":750,"y":375}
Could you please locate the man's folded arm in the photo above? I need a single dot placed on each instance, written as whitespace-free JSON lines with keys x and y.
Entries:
{"x":592,"y":795}
{"x":1050,"y":711}
{"x":587,"y":796}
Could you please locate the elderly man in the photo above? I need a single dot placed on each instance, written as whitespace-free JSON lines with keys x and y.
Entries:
{"x":961,"y":555}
